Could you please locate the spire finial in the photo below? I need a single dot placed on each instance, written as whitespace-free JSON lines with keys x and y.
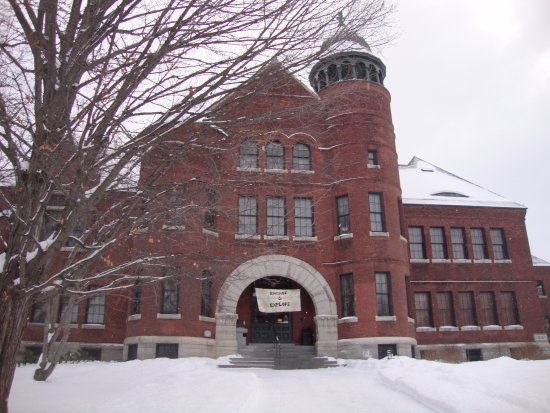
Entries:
{"x":340,"y":17}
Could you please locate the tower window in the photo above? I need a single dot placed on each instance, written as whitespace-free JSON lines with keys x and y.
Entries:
{"x":342,"y":215}
{"x":383,"y":294}
{"x":332,"y":73}
{"x":361,"y":70}
{"x":347,"y":295}
{"x":170,"y":297}
{"x":376,"y":212}
{"x":372,"y":158}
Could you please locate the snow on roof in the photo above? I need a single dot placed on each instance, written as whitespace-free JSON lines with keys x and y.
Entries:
{"x":423,"y":183}
{"x":539,"y":262}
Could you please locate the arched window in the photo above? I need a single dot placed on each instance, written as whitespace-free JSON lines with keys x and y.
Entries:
{"x":248,"y":157}
{"x":322,"y":79}
{"x":332,"y":74}
{"x":373,"y":75}
{"x":346,"y":71}
{"x":275,"y":153}
{"x":301,"y":157}
{"x":361,"y":70}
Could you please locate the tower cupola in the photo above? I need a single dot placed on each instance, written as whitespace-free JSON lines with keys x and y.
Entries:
{"x":347,"y":56}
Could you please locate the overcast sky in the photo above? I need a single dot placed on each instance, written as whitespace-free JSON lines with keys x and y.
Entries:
{"x":470,"y":85}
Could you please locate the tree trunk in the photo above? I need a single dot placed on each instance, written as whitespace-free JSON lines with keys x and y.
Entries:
{"x":14,"y":308}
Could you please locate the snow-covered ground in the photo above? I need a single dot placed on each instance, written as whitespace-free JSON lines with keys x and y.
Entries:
{"x":194,"y":385}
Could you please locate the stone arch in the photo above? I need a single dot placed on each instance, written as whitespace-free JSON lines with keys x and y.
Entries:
{"x":283,"y":266}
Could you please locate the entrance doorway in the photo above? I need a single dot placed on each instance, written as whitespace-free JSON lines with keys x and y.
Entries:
{"x":267,"y":327}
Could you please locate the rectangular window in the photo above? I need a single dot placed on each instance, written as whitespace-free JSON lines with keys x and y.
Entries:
{"x":510,"y":313}
{"x":167,"y":350}
{"x":478,"y":244}
{"x":446,"y":309}
{"x":460,"y":252}
{"x":500,"y":252}
{"x":376,"y":213}
{"x":248,"y":215}
{"x":303,"y":217}
{"x":135,"y":305}
{"x":540,"y":288}
{"x":383,"y":294}
{"x":206,"y":294}
{"x":170,"y":297}
{"x":372,"y":157}
{"x":276,"y":222}
{"x":63,"y":307}
{"x":467,"y":308}
{"x":409,"y":296}
{"x":416,"y":243}
{"x":347,"y":295}
{"x":423,"y":304}
{"x":175,"y":206}
{"x":488,"y":308}
{"x":474,"y":354}
{"x":437,"y":239}
{"x":342,"y":215}
{"x":38,"y":312}
{"x":95,"y":309}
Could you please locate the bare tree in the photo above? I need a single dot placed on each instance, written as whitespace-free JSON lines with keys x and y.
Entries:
{"x":87,"y":88}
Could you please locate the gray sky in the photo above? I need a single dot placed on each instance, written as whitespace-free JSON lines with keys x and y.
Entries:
{"x":470,"y":85}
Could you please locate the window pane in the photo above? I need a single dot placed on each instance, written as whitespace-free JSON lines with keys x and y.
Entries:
{"x":446,"y":310}
{"x":343,"y":222}
{"x":248,"y":215}
{"x":499,"y":245}
{"x":467,"y":308}
{"x":206,"y":294}
{"x":38,"y":312}
{"x":437,"y":239}
{"x":303,"y":217}
{"x":276,"y":216}
{"x":416,"y":243}
{"x":301,"y":157}
{"x":422,"y":302}
{"x":167,"y":350}
{"x":63,"y":307}
{"x":510,"y":313}
{"x":275,"y":156}
{"x":248,"y":155}
{"x":478,"y":244}
{"x":347,"y":295}
{"x":488,"y":308}
{"x":376,"y":212}
{"x":372,"y":158}
{"x":383,"y":296}
{"x":169,"y":298}
{"x":459,"y":243}
{"x":95,"y":313}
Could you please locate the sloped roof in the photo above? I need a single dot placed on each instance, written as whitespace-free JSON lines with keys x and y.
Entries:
{"x":539,"y":262}
{"x":423,"y":183}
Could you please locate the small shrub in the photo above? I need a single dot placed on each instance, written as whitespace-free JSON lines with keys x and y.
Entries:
{"x":76,"y":356}
{"x":26,"y":357}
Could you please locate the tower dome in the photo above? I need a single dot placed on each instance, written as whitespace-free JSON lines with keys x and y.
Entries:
{"x":347,"y":56}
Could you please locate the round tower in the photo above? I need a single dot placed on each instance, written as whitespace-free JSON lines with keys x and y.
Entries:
{"x":369,"y":240}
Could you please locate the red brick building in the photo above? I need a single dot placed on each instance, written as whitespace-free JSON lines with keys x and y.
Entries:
{"x":299,"y":188}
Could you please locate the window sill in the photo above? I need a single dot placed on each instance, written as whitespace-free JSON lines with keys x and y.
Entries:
{"x":67,"y":249}
{"x":248,"y":169}
{"x":425,"y":329}
{"x":419,"y":261}
{"x":138,"y":231}
{"x":161,"y":316}
{"x":35,"y":323}
{"x":503,"y":261}
{"x":207,"y":319}
{"x":448,"y":328}
{"x":371,"y":166}
{"x":348,"y":320}
{"x":276,"y":237}
{"x":440,"y":261}
{"x":173,"y":227}
{"x":403,"y":239}
{"x":540,"y":337}
{"x":411,"y":320}
{"x":513,"y":327}
{"x":90,"y":326}
{"x":492,"y":328}
{"x":209,"y":232}
{"x":462,"y":261}
{"x":302,"y":171}
{"x":304,"y":239}
{"x":343,"y":236}
{"x":276,"y":171}
{"x":483,"y":261}
{"x":247,"y":236}
{"x":134,"y":317}
{"x":379,"y":234}
{"x":470,"y":328}
{"x":385,"y":318}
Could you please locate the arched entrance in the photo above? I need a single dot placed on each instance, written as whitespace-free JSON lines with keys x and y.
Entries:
{"x":276,"y":266}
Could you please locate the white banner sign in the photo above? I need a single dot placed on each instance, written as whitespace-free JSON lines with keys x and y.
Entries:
{"x":278,"y":301}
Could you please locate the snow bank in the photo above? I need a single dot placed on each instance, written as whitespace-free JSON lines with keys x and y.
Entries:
{"x":197,"y":385}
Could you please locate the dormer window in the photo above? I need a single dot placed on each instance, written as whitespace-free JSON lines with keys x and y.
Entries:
{"x":451,"y":194}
